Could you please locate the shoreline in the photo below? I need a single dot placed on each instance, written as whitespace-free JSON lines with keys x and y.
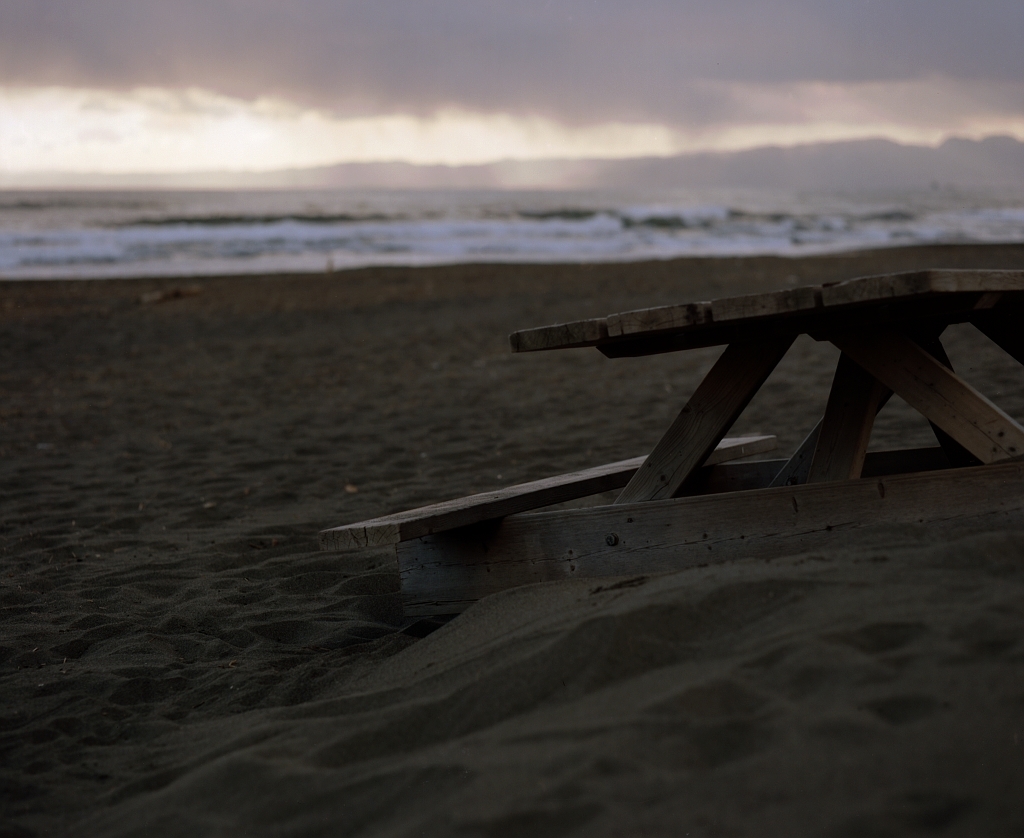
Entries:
{"x":663,"y":278}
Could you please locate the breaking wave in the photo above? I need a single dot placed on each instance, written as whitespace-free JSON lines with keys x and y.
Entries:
{"x":51,"y":235}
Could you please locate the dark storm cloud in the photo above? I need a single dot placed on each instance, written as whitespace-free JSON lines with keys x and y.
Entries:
{"x":574,"y":60}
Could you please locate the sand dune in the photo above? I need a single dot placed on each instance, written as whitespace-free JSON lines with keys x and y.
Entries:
{"x":178,"y":658}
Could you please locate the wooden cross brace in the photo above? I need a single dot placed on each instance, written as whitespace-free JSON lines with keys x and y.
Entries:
{"x":872,"y":367}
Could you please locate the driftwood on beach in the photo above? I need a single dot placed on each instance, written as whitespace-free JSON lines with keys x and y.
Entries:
{"x":684,"y":505}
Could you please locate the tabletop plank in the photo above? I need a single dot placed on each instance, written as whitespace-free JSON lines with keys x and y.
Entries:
{"x":948,"y":295}
{"x":845,"y":430}
{"x":578,"y":333}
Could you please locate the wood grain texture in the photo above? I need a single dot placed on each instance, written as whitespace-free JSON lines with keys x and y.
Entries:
{"x":445,"y":573}
{"x":772,"y":304}
{"x":937,"y":392}
{"x":888,"y":287}
{"x":719,"y":399}
{"x":438,"y":517}
{"x":846,"y":426}
{"x":957,"y":454}
{"x":948,"y":294}
{"x":796,"y":469}
{"x":660,"y":318}
{"x":561,"y":335}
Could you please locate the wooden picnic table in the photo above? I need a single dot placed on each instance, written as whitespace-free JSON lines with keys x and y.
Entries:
{"x":688,"y":503}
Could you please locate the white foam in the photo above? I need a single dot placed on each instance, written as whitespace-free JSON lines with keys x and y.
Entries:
{"x":108,"y":234}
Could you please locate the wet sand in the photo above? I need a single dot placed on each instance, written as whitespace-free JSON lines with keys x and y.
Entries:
{"x":177,"y":658}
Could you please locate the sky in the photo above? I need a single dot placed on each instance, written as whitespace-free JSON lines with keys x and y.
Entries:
{"x":155,"y":86}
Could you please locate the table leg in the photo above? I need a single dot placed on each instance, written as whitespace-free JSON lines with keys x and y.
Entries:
{"x":853,"y":401}
{"x":937,"y":392}
{"x":959,"y":457}
{"x":719,"y":399}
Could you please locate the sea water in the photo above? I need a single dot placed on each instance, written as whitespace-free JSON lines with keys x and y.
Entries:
{"x":85,"y":234}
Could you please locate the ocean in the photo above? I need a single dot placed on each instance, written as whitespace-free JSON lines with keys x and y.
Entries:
{"x":89,"y":234}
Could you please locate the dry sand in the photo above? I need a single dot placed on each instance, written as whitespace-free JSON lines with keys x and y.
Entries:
{"x":176,"y":658}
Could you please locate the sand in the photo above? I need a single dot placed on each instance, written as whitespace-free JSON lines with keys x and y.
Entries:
{"x":177,"y":658}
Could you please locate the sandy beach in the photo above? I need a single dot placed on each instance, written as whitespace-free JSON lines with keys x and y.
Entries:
{"x":177,"y":658}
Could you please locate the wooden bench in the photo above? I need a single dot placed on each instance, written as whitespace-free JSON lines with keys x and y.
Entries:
{"x":686,"y":503}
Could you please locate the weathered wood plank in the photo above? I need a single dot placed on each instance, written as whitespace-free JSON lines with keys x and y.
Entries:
{"x":659,"y":318}
{"x":688,"y":315}
{"x":887,"y":287}
{"x":561,"y":335}
{"x":947,"y":294}
{"x":772,"y":304}
{"x":936,"y":392}
{"x":443,"y":574}
{"x":438,"y":517}
{"x":846,"y":427}
{"x":796,"y":469}
{"x":719,"y":399}
{"x":957,"y":454}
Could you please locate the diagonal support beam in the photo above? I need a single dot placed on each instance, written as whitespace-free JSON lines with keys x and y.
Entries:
{"x":719,"y":399}
{"x":937,"y":392}
{"x":959,"y":457}
{"x":842,"y":442}
{"x":797,"y":467}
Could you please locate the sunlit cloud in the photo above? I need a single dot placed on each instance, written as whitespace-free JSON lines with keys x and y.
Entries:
{"x":157,"y":130}
{"x":169,"y":131}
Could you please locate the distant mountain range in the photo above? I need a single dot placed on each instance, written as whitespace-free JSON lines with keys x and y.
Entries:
{"x":859,"y":164}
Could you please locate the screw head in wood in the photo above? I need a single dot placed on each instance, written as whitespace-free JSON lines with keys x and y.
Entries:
{"x":611,"y":539}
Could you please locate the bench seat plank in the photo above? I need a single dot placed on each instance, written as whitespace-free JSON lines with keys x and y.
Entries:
{"x":438,"y":517}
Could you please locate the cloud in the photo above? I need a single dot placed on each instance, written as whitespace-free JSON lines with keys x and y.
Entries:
{"x":160,"y":130}
{"x":156,"y":130}
{"x":131,"y":85}
{"x":576,"y":61}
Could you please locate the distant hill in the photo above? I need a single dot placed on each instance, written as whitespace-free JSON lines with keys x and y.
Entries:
{"x":860,"y":164}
